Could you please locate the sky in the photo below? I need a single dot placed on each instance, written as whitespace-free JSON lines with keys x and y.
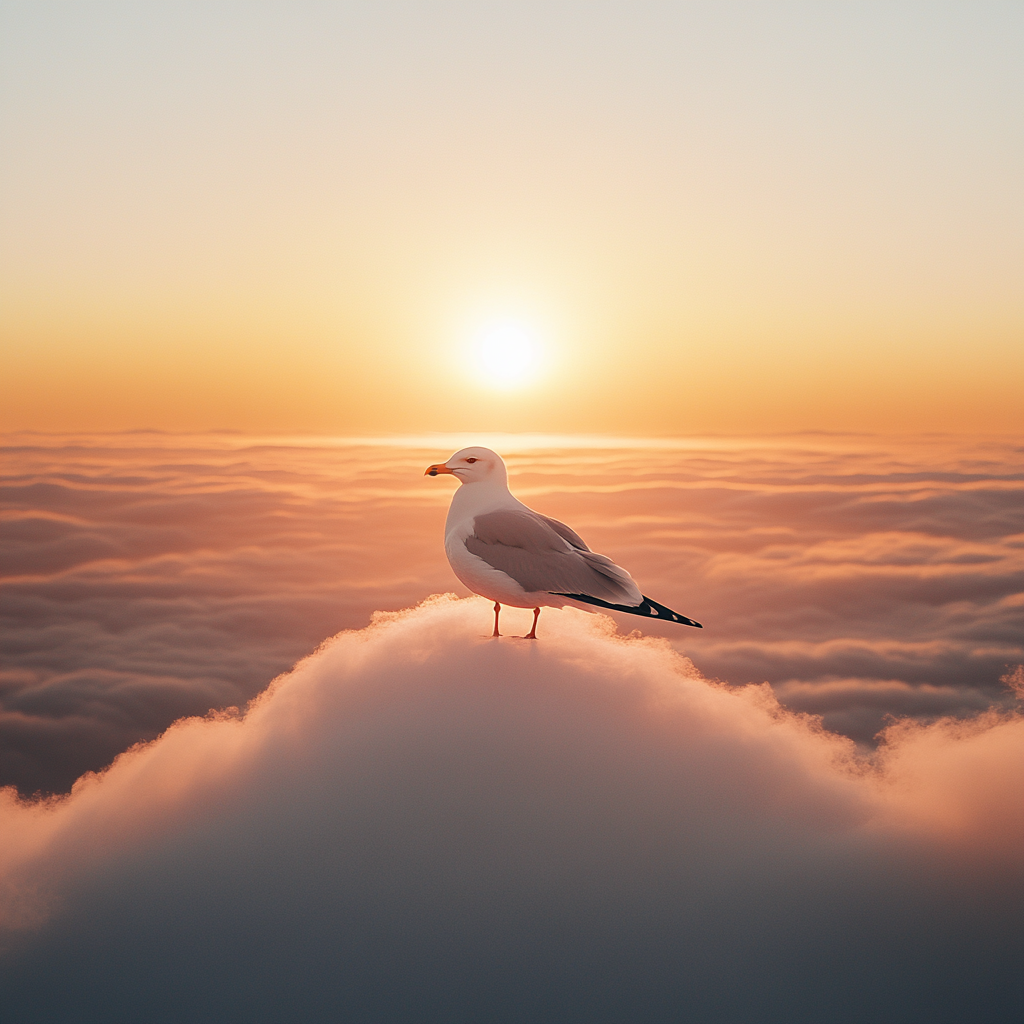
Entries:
{"x":695,"y":217}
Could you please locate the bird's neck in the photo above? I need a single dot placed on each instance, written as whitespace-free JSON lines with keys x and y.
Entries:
{"x":477,"y":498}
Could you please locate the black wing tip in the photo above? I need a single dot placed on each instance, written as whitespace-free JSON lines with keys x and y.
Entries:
{"x":659,"y":611}
{"x":648,"y":608}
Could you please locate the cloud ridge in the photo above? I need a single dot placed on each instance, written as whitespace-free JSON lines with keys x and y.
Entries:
{"x":418,"y":823}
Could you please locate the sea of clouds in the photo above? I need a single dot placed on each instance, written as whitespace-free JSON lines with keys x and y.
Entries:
{"x":148,"y":576}
{"x":810,"y":810}
{"x":421,"y":824}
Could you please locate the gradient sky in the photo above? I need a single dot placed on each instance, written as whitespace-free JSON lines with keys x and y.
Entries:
{"x":712,"y":217}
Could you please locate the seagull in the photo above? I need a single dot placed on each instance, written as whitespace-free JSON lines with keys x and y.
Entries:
{"x":506,"y":552}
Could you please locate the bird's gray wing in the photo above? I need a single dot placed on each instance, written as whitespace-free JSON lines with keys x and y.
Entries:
{"x":565,"y":532}
{"x":527,"y":547}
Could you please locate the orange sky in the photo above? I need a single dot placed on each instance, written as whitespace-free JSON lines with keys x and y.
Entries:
{"x":727,"y":218}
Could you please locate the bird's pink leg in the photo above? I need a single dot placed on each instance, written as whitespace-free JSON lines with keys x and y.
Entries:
{"x":497,"y":612}
{"x":532,"y":635}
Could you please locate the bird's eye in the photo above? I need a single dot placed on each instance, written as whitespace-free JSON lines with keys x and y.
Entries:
{"x":472,"y":460}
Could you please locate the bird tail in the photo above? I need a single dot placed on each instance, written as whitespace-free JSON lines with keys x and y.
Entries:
{"x":647,"y":607}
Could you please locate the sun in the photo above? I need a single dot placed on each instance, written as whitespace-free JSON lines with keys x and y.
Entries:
{"x":506,"y":355}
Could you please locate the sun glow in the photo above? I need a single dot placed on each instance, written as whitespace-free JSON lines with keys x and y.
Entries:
{"x":506,"y":356}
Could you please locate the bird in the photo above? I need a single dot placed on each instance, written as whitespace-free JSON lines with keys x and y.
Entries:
{"x":502,"y":550}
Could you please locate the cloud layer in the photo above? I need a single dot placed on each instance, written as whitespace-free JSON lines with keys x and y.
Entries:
{"x":149,"y":576}
{"x":419,"y":823}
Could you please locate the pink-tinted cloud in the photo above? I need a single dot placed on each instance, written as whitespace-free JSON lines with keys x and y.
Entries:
{"x":150,"y":576}
{"x":421,"y":824}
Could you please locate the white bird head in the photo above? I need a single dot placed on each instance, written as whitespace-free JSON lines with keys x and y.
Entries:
{"x":473,"y":466}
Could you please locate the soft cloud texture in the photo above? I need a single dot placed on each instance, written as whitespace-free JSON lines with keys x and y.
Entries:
{"x":421,"y":824}
{"x":152,"y":576}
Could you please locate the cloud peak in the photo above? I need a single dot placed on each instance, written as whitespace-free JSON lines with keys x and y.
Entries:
{"x":419,"y":823}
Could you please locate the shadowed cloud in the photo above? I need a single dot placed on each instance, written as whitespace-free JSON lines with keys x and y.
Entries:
{"x":421,"y":824}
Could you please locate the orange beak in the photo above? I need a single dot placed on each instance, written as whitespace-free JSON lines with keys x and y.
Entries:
{"x":439,"y":468}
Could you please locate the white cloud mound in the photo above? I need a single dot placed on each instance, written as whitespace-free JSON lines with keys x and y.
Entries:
{"x":420,"y":823}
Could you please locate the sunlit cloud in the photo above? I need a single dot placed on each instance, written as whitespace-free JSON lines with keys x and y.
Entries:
{"x":152,"y":576}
